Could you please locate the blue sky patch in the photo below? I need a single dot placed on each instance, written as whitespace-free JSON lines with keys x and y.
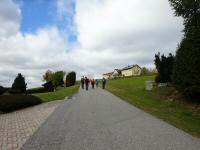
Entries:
{"x":43,"y":13}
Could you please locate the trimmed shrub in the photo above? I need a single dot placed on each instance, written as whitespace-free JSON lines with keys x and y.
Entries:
{"x":14,"y":91}
{"x":36,"y":90}
{"x":10,"y":103}
{"x":71,"y":79}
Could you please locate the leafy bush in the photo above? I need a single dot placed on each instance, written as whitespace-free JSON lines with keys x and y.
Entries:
{"x":145,"y":71}
{"x":2,"y":90}
{"x":192,"y":93}
{"x":14,"y":91}
{"x":10,"y":103}
{"x":19,"y":85}
{"x":71,"y":79}
{"x":36,"y":90}
{"x":58,"y":78}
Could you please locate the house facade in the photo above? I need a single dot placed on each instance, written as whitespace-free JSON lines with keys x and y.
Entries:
{"x":133,"y":70}
{"x":116,"y":73}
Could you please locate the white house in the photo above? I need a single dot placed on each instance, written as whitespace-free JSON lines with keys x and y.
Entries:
{"x":133,"y":70}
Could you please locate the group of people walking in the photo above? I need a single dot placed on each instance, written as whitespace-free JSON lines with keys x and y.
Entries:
{"x":85,"y":82}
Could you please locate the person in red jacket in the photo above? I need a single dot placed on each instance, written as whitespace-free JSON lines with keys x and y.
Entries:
{"x":93,"y":83}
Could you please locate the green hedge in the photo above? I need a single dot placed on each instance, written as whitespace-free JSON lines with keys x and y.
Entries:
{"x":36,"y":90}
{"x":10,"y":103}
{"x":2,"y":90}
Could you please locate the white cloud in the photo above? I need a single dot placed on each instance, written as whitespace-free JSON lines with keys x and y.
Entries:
{"x":132,"y":29}
{"x":33,"y":54}
{"x":65,"y":8}
{"x":9,"y":18}
{"x":113,"y":22}
{"x":111,"y":34}
{"x":29,"y":53}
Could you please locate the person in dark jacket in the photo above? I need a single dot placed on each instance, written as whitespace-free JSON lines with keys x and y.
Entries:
{"x":87,"y":81}
{"x":82,"y":82}
{"x":103,"y":83}
{"x":97,"y":83}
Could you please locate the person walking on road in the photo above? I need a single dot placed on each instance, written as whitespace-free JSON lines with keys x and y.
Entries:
{"x":97,"y":83}
{"x":92,"y":83}
{"x":103,"y":83}
{"x":86,"y":83}
{"x":82,"y":82}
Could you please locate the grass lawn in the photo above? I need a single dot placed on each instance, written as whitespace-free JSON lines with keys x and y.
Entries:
{"x":57,"y":95}
{"x":176,"y":113}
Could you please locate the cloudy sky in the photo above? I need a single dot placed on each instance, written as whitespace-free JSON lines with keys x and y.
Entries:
{"x":90,"y":37}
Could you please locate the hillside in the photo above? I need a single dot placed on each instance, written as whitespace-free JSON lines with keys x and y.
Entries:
{"x":133,"y":91}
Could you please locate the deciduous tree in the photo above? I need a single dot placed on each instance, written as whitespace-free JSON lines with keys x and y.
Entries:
{"x":58,"y":77}
{"x":48,"y":76}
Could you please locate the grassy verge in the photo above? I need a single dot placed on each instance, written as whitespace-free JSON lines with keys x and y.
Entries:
{"x":57,"y":95}
{"x":133,"y":91}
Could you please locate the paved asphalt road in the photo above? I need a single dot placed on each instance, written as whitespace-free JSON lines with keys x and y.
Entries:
{"x":97,"y":120}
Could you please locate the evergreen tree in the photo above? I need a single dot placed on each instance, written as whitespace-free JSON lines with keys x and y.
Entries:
{"x":19,"y":84}
{"x":71,"y":79}
{"x":164,"y":66}
{"x":189,"y":10}
{"x":186,"y":73}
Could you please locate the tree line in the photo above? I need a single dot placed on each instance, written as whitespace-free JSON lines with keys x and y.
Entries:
{"x":55,"y":78}
{"x":183,"y":69}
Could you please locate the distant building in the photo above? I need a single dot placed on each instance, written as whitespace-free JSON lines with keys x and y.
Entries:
{"x":133,"y":70}
{"x":49,"y":86}
{"x":108,"y":75}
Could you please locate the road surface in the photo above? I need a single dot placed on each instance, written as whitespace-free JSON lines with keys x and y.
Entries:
{"x":98,"y":120}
